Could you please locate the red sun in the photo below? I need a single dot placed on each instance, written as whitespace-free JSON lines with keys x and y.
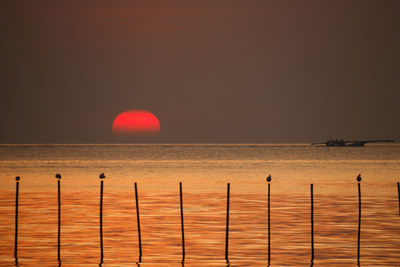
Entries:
{"x":136,"y":122}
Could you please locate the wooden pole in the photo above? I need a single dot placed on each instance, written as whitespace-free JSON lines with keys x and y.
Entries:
{"x":398,"y":194}
{"x":138,"y":223}
{"x":269,"y":221}
{"x":227,"y":224}
{"x":359,"y":219}
{"x":312,"y":224}
{"x":58,"y":176}
{"x":16,"y":219}
{"x":182,"y":224}
{"x":102,"y":176}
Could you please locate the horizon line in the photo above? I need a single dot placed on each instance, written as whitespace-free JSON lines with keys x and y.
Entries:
{"x":172,"y":143}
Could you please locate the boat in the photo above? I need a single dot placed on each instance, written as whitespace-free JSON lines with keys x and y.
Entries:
{"x":341,"y":142}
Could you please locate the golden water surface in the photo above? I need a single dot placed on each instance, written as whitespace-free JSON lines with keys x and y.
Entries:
{"x":205,"y":172}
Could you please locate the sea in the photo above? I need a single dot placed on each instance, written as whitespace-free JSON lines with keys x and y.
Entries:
{"x":204,"y":171}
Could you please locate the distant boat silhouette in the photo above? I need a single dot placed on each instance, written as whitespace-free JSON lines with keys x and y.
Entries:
{"x":341,"y":142}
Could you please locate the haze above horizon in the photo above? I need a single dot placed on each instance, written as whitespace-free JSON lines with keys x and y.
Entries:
{"x":211,"y":72}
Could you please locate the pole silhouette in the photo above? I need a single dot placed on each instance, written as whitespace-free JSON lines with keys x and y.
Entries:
{"x":359,"y":218}
{"x":269,"y":220}
{"x":227,"y":224}
{"x":398,"y":194}
{"x":312,"y":224}
{"x":16,"y":219}
{"x":58,"y":176}
{"x":182,"y":224}
{"x":102,"y":176}
{"x":138,"y":223}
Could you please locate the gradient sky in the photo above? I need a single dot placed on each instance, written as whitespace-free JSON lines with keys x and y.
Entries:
{"x":212,"y":71}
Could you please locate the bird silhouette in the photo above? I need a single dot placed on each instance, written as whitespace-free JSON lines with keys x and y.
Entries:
{"x":359,"y":178}
{"x":102,"y":176}
{"x":269,"y":178}
{"x":17,"y":178}
{"x":58,"y":176}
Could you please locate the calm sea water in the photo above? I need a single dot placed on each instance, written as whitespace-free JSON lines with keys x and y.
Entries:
{"x":204,"y":171}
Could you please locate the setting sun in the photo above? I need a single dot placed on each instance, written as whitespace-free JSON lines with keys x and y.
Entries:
{"x":136,"y":122}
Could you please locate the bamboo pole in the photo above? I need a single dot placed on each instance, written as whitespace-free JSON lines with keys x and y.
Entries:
{"x":182,"y":224}
{"x":102,"y":176}
{"x":359,"y":218}
{"x":138,"y":223}
{"x":227,"y":224}
{"x":269,"y":220}
{"x":58,"y":176}
{"x":312,"y":224}
{"x":16,"y":219}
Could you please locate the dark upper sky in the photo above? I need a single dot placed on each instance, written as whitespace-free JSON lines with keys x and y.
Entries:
{"x":211,"y":71}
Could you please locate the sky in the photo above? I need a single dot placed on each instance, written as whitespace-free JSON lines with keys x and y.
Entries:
{"x":219,"y":71}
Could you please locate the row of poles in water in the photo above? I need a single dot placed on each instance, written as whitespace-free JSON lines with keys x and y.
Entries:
{"x":102,"y":176}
